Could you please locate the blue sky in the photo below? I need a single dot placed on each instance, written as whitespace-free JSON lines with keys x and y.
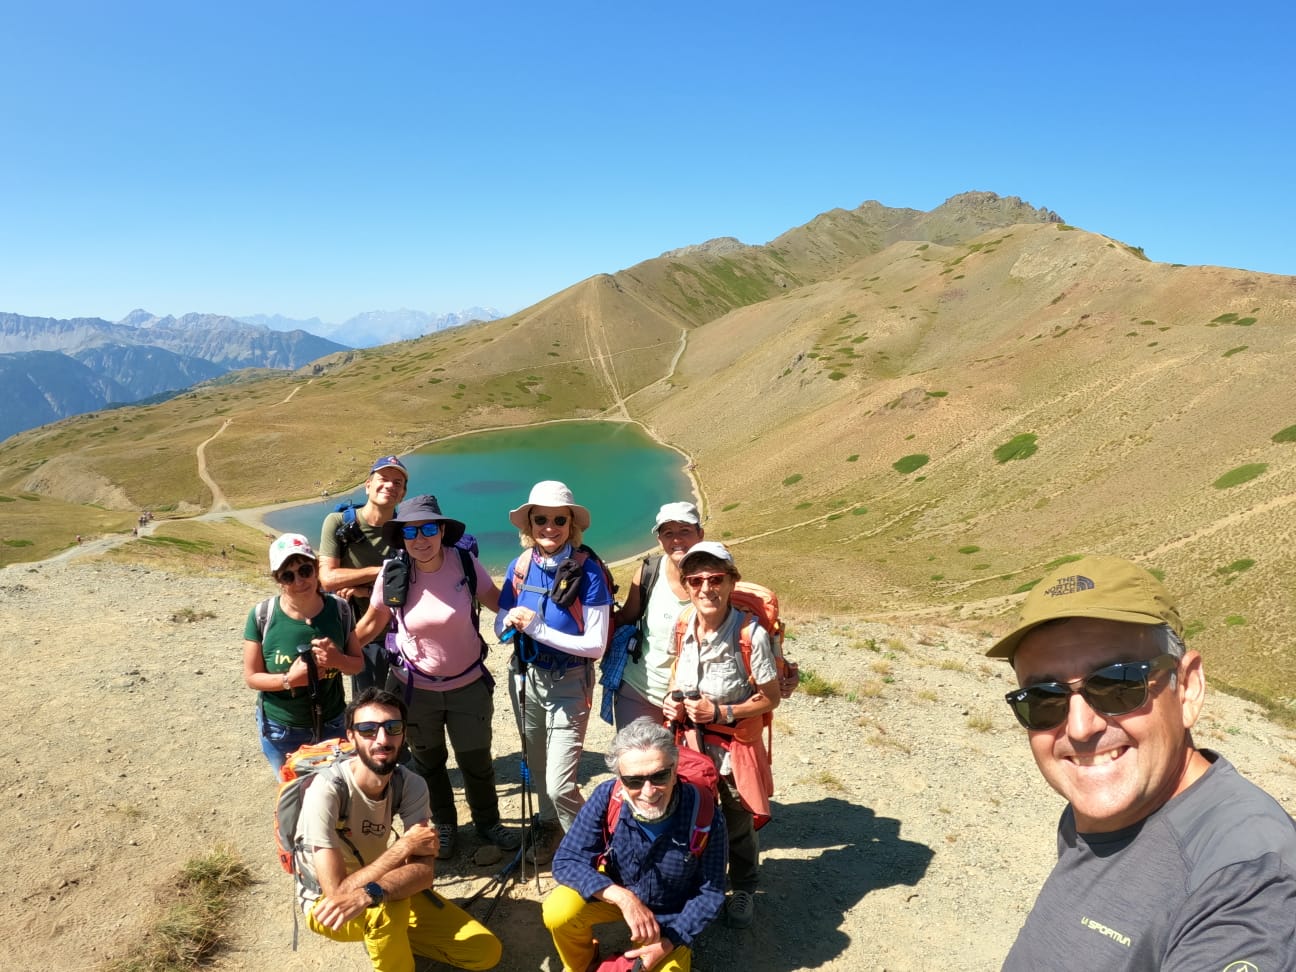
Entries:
{"x":325,"y":158}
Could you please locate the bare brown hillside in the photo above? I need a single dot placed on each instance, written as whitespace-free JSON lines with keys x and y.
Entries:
{"x":798,"y":375}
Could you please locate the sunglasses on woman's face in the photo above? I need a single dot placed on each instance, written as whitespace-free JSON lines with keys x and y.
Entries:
{"x":304,"y":571}
{"x":542,"y":520}
{"x":369,"y":730}
{"x":427,"y":529}
{"x":696,"y":581}
{"x":1113,"y":690}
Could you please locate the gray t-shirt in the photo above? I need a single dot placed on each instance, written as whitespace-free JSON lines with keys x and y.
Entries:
{"x":368,"y":822}
{"x":1207,"y":883}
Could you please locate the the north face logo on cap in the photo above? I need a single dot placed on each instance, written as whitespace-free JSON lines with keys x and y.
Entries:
{"x":1070,"y":585}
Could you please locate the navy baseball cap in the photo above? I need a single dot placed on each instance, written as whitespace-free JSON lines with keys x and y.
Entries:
{"x":389,"y":462}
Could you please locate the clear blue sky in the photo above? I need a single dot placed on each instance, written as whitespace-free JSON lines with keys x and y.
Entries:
{"x":323,"y":158}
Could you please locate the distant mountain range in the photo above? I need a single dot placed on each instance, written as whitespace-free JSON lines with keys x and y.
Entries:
{"x":51,"y":369}
{"x":376,"y":327}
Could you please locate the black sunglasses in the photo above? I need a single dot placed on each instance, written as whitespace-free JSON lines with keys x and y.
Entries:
{"x":427,"y":529}
{"x":1113,"y":690}
{"x":658,"y":779}
{"x":304,"y":571}
{"x":542,"y":520}
{"x":369,"y":730}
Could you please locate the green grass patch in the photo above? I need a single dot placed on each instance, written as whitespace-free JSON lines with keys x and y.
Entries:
{"x":1029,"y":585}
{"x":859,"y":511}
{"x":1235,"y":621}
{"x":969,"y":549}
{"x":8,"y":499}
{"x":836,"y":375}
{"x":1286,"y":435}
{"x":194,"y":924}
{"x":814,"y":685}
{"x":803,"y":506}
{"x":1240,"y":475}
{"x":1068,"y":559}
{"x":729,"y":506}
{"x":793,"y":479}
{"x":907,"y":464}
{"x":16,"y":543}
{"x":1232,"y":351}
{"x":853,"y":457}
{"x":1018,"y":447}
{"x":937,"y":394}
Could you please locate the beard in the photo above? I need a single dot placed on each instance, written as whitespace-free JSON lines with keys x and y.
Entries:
{"x":376,"y":766}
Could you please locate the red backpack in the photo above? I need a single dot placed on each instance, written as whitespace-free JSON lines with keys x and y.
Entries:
{"x":694,"y":769}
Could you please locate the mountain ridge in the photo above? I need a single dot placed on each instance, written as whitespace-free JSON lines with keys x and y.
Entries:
{"x":880,"y":427}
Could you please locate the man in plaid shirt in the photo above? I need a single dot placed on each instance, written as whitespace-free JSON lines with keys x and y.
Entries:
{"x":644,"y":872}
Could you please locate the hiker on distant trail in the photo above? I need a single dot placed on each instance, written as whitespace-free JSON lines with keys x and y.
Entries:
{"x":438,"y":663}
{"x":551,"y":673}
{"x":645,"y":871}
{"x":1167,"y":857}
{"x":352,"y":550}
{"x":295,"y":648}
{"x":723,"y":702}
{"x":654,"y":601}
{"x":351,"y":884}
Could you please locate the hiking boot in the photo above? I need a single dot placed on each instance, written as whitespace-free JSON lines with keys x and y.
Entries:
{"x":543,"y":840}
{"x":448,"y":835}
{"x":741,"y":909}
{"x":500,"y":836}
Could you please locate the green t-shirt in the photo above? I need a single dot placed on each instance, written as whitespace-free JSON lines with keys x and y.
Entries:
{"x":279,"y":645}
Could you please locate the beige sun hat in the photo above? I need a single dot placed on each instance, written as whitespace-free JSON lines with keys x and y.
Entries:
{"x":550,"y":493}
{"x":1107,"y":588}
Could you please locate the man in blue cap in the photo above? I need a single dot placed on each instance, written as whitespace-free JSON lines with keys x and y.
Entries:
{"x":351,"y":552}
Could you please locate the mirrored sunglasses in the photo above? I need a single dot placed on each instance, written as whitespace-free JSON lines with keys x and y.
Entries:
{"x":427,"y":529}
{"x":1112,"y":690}
{"x":369,"y":730}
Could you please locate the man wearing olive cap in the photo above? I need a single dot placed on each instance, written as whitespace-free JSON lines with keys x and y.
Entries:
{"x":1167,"y":857}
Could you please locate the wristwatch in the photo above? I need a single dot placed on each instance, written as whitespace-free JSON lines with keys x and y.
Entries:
{"x":375,"y":892}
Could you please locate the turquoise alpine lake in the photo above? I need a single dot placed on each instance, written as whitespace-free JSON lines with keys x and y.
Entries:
{"x":614,"y":468}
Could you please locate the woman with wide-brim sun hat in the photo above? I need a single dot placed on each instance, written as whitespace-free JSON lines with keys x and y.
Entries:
{"x":437,"y":664}
{"x":279,"y":634}
{"x":556,"y":607}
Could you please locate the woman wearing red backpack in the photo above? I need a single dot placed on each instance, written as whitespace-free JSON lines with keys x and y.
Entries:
{"x":725,"y":682}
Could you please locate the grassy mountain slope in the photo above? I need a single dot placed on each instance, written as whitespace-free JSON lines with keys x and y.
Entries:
{"x":1044,"y":392}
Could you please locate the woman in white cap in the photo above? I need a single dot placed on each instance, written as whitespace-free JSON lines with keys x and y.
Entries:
{"x":654,"y":601}
{"x":295,"y":647}
{"x":725,"y":683}
{"x":437,"y":663}
{"x":556,"y":607}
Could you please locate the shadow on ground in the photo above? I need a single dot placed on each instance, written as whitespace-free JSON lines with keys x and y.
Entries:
{"x":859,"y":852}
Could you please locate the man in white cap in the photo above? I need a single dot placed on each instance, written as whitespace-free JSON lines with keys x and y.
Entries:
{"x":352,"y":551}
{"x":655,"y":600}
{"x":1167,"y":857}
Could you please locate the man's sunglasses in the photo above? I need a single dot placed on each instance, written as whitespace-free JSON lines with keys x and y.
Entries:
{"x":1113,"y":690}
{"x":304,"y":571}
{"x":542,"y":520}
{"x":695,"y":581}
{"x":369,"y":730}
{"x":658,"y":779}
{"x":427,"y":529}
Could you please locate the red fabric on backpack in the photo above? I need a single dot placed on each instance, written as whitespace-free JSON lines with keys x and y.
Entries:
{"x":694,"y":769}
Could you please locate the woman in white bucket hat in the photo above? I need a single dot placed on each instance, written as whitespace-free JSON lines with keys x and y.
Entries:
{"x":555,"y":606}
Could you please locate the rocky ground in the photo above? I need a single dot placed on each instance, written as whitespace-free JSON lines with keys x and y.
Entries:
{"x":911,"y":828}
